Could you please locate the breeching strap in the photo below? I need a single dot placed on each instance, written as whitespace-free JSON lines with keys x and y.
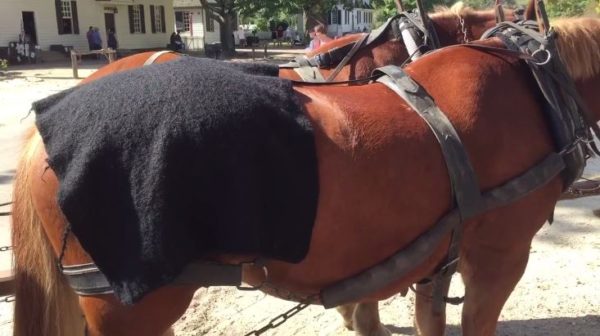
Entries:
{"x":466,"y":194}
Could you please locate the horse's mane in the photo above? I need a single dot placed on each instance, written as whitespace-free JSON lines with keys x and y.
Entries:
{"x":579,"y":46}
{"x":461,"y":10}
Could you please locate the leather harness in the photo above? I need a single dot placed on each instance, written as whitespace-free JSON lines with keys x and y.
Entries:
{"x":566,"y":114}
{"x":415,"y":28}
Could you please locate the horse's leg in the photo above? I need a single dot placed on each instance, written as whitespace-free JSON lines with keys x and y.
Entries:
{"x":153,"y":315}
{"x":490,"y":274}
{"x":366,"y":320}
{"x":347,"y":312}
{"x":427,"y":323}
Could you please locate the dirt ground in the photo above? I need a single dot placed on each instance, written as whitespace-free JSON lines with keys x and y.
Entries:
{"x":559,"y":294}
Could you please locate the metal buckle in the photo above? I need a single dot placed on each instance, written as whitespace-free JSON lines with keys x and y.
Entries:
{"x":450,"y":268}
{"x":254,"y":263}
{"x":548,"y":56}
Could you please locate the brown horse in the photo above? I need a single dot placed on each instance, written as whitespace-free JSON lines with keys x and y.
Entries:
{"x":383,"y":182}
{"x":455,"y":25}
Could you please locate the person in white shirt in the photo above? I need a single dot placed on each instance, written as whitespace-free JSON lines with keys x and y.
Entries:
{"x":242,"y":36}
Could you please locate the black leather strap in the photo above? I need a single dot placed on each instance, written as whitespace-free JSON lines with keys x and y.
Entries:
{"x":408,"y":259}
{"x":465,"y":188}
{"x":463,"y":180}
{"x":566,"y":112}
{"x":88,"y":280}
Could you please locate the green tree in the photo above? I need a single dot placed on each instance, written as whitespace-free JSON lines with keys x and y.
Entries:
{"x":224,"y":12}
{"x":567,"y":7}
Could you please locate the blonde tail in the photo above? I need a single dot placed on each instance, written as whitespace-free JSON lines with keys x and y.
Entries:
{"x":45,"y":304}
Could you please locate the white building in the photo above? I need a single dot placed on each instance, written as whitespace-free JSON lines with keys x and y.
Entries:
{"x":195,"y":27}
{"x":139,"y":24}
{"x":342,"y":21}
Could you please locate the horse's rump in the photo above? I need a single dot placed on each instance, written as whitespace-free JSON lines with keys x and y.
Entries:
{"x":161,"y":165}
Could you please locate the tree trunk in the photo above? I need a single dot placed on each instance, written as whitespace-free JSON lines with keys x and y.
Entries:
{"x":227,"y":39}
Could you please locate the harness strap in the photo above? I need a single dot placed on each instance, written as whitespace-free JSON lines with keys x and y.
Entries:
{"x":155,"y":56}
{"x":408,"y":259}
{"x":463,"y":180}
{"x":88,"y":280}
{"x":465,"y":188}
{"x":347,"y":58}
{"x":565,"y":110}
{"x":310,"y":74}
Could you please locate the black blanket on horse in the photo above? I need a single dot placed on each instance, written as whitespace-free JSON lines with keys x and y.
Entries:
{"x":161,"y":165}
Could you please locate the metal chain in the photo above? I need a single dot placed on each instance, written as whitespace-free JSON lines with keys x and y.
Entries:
{"x":279,"y":320}
{"x":6,"y":248}
{"x":5,"y":213}
{"x":266,"y":286}
{"x":463,"y":29}
{"x":8,"y":299}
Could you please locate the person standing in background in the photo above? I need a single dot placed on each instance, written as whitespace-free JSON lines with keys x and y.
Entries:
{"x":111,"y":40}
{"x":89,"y":34}
{"x":96,"y":39}
{"x":321,"y":34}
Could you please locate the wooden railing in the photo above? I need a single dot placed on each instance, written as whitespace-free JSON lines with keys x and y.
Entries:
{"x":110,"y":54}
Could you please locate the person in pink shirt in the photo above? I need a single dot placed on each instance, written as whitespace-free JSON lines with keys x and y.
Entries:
{"x":318,"y":37}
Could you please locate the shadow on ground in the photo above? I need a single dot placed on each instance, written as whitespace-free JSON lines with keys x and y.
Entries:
{"x":588,"y":325}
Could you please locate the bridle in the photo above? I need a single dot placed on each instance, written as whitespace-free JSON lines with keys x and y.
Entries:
{"x":415,"y":28}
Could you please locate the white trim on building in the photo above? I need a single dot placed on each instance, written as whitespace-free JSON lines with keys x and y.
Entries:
{"x":195,"y":28}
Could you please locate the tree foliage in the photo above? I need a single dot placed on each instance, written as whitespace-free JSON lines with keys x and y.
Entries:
{"x":567,"y":7}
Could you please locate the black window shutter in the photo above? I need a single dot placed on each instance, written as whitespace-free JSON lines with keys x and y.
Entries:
{"x":75,"y":17}
{"x":162,"y":19}
{"x":142,"y":19}
{"x":131,"y":27}
{"x":58,"y":5}
{"x":328,"y":17}
{"x":152,"y":20}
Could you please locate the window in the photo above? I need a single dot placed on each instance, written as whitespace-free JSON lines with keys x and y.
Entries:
{"x":137,"y":23}
{"x":137,"y":20}
{"x":183,"y":21}
{"x":66,"y":17}
{"x":347,"y":17}
{"x":210,"y":22}
{"x":358,"y":16}
{"x":157,"y":17}
{"x":336,"y":17}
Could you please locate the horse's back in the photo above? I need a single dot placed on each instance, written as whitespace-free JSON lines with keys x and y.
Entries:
{"x":129,"y":63}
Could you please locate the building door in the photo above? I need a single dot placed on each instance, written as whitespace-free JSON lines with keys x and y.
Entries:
{"x":109,"y":22}
{"x":29,"y":27}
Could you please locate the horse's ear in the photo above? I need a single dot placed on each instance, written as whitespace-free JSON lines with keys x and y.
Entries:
{"x":530,"y":13}
{"x":399,"y":6}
